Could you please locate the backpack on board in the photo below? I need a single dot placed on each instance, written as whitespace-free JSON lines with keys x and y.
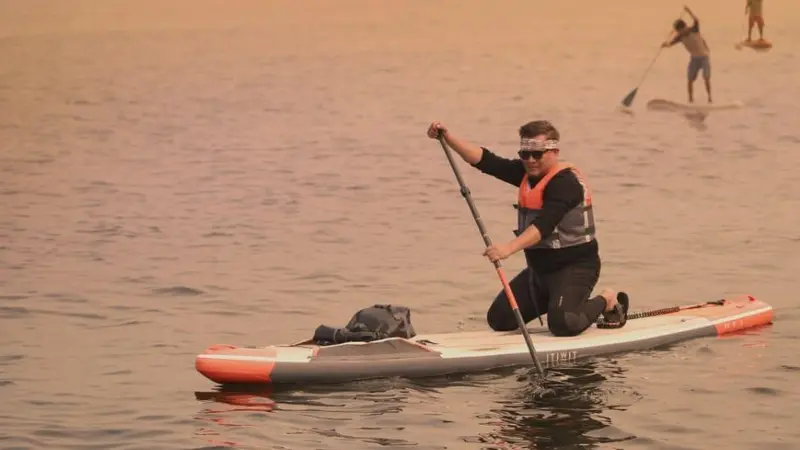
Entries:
{"x":369,"y":324}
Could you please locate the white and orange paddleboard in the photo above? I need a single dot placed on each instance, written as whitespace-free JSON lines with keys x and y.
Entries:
{"x":477,"y":351}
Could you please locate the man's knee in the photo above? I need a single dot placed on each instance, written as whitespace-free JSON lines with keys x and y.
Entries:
{"x":500,"y":318}
{"x":502,"y":326}
{"x":566,"y":324}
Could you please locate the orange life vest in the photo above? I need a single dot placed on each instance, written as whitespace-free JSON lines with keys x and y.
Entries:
{"x":576,"y":227}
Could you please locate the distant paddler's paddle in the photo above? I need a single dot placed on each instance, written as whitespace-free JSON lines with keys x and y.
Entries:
{"x":739,"y":44}
{"x":628,"y":100}
{"x":509,"y":294}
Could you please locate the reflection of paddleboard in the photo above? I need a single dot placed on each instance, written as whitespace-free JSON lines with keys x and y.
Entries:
{"x":660,"y":104}
{"x":758,"y":44}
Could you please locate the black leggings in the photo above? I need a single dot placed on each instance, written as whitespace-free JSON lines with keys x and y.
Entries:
{"x":562,"y":295}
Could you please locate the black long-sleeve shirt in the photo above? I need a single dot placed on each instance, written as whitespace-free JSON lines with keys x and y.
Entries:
{"x":562,"y":193}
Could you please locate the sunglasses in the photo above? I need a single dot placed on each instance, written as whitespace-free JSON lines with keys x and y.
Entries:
{"x":537,"y":154}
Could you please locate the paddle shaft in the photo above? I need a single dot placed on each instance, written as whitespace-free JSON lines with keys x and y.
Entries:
{"x":738,"y":45}
{"x":498,"y":266}
{"x":657,"y":54}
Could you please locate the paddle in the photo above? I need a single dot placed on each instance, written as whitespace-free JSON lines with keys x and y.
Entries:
{"x":509,"y":294}
{"x":628,"y":100}
{"x":739,"y":44}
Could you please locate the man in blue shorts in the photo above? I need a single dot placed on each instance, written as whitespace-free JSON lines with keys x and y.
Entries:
{"x":698,"y":50}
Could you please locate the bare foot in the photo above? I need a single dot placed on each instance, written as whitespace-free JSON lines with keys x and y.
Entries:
{"x":611,"y":298}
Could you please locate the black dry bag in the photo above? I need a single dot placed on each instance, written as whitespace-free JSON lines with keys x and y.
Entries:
{"x":369,"y":324}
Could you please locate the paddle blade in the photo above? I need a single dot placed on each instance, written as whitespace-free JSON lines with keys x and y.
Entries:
{"x":629,"y":98}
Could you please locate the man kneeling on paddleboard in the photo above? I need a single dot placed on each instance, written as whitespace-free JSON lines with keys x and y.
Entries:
{"x":556,"y":230}
{"x":698,"y":50}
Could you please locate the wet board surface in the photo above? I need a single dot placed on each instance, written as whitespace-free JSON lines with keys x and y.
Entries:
{"x":660,"y":104}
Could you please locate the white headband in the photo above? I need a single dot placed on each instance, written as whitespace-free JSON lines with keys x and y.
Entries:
{"x":533,"y":144}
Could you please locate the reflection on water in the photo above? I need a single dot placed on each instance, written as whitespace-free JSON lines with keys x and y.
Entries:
{"x":518,"y":409}
{"x":564,"y":410}
{"x":697,"y":120}
{"x":242,"y":407}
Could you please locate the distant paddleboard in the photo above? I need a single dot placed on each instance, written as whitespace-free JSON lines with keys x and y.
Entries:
{"x":660,"y":104}
{"x":759,"y":44}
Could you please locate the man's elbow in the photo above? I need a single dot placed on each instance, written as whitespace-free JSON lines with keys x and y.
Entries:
{"x":544,"y":229}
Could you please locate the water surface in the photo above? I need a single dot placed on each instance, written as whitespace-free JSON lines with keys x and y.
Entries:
{"x":174,"y":175}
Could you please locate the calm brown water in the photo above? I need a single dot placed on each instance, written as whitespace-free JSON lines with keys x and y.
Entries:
{"x":178,"y":174}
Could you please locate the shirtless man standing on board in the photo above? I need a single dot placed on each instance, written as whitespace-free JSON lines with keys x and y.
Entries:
{"x":696,"y":45}
{"x":756,"y":10}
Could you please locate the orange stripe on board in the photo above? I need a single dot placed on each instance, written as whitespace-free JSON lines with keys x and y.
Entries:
{"x":243,"y":365}
{"x":235,"y":371}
